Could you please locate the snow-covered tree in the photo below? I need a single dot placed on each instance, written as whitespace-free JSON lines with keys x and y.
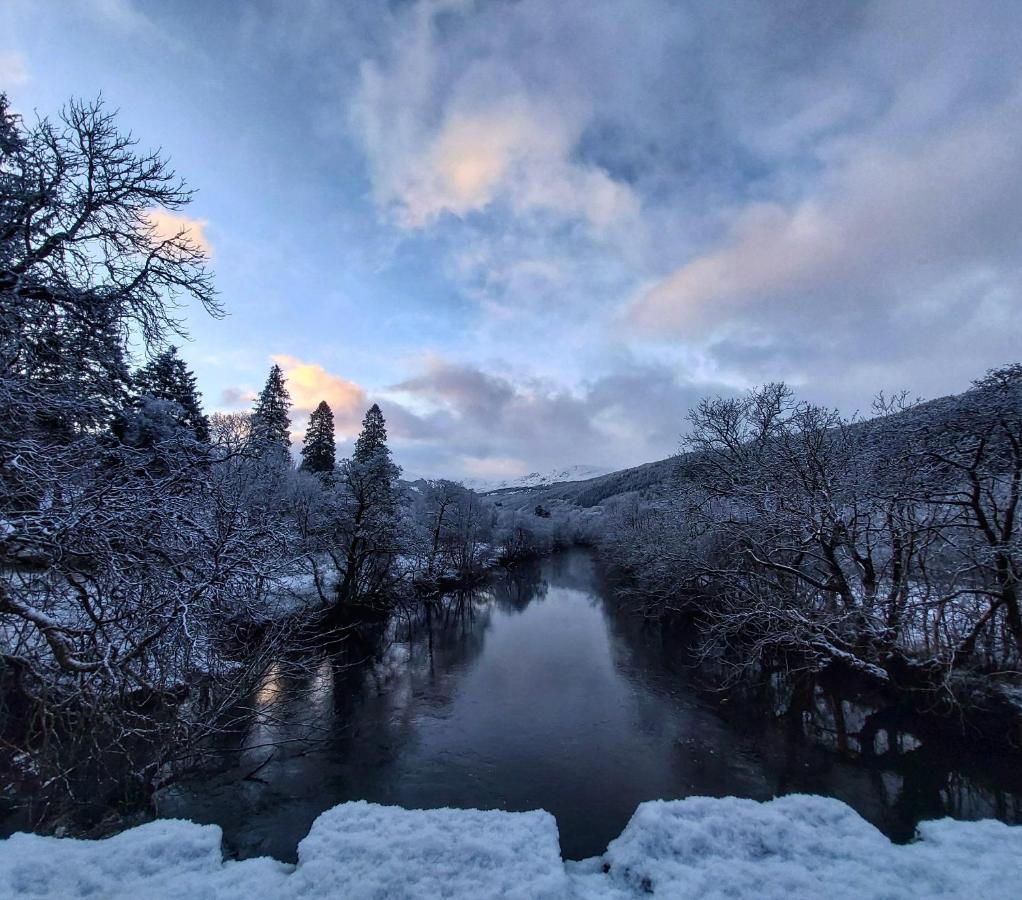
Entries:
{"x":82,"y":264}
{"x":370,"y":514}
{"x":967,"y":462}
{"x":318,"y":451}
{"x":123,"y":563}
{"x":166,"y":377}
{"x":888,"y":547}
{"x":451,"y":529}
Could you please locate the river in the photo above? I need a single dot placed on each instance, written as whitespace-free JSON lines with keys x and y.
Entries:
{"x":532,"y":692}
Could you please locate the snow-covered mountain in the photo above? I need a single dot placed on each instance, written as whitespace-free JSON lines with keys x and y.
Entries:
{"x":537,"y":479}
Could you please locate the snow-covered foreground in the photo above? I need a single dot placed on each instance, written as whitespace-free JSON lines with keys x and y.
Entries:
{"x":793,"y":847}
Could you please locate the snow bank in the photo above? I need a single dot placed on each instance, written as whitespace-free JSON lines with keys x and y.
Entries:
{"x":361,"y":850}
{"x":794,"y":847}
{"x":355,"y":850}
{"x":162,"y":859}
{"x":801,"y":846}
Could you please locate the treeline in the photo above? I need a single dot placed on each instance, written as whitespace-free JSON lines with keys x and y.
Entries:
{"x":124,"y":544}
{"x":140,"y":539}
{"x":887,"y":549}
{"x":155,"y":560}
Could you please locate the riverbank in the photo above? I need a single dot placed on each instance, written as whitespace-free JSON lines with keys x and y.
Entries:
{"x":976,"y":709}
{"x":525,"y":694}
{"x":798,"y":846}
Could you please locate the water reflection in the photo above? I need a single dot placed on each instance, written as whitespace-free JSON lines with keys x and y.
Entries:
{"x":531,"y":693}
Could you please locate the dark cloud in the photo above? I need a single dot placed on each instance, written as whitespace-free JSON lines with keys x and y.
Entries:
{"x":470,"y":392}
{"x":471,"y":417}
{"x":234,"y":397}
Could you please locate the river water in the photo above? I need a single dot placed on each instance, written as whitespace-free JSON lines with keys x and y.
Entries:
{"x":533,"y":693}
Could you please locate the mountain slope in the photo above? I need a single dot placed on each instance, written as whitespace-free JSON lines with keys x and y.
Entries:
{"x":660,"y":475}
{"x":593,"y":491}
{"x":535,"y":479}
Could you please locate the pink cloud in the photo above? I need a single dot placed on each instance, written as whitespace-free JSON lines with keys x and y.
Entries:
{"x":167,"y":225}
{"x":309,"y":384}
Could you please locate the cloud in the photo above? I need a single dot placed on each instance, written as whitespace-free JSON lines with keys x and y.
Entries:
{"x":121,"y":14}
{"x":167,"y":225}
{"x":770,"y":249}
{"x":13,"y":70}
{"x":455,"y":419}
{"x":484,"y":424}
{"x":235,"y":397}
{"x":310,"y":384}
{"x":785,"y":201}
{"x":881,"y":231}
{"x":492,"y":468}
{"x":878,"y":218}
{"x":518,"y":152}
{"x":455,"y":136}
{"x":589,"y":218}
{"x":461,"y":390}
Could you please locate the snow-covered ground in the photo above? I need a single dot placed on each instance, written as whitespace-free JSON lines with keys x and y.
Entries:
{"x":793,"y":847}
{"x":536,"y":479}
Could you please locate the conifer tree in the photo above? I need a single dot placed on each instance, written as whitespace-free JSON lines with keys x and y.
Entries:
{"x":318,"y":449}
{"x":372,"y":513}
{"x":373,"y":438}
{"x":271,"y":424}
{"x":166,"y":377}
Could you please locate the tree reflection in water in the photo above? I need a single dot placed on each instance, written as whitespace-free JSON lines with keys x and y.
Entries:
{"x":533,"y":691}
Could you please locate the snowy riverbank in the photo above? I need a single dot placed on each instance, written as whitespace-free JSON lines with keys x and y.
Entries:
{"x":793,"y":847}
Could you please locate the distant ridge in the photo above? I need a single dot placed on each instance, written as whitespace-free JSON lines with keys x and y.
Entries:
{"x":663,"y":475}
{"x":536,"y":479}
{"x":593,"y":491}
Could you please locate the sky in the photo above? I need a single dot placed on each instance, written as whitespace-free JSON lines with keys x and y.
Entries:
{"x":537,"y":233}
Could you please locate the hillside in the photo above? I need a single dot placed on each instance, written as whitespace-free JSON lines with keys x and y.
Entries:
{"x":593,"y":491}
{"x":658,"y":475}
{"x":535,"y":479}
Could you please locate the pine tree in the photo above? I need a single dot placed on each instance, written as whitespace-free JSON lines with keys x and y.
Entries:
{"x":373,"y":438}
{"x":271,"y":424}
{"x":373,"y":509}
{"x":318,"y":449}
{"x":166,"y":377}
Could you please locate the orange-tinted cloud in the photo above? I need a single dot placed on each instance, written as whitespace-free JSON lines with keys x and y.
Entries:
{"x":516,"y":148}
{"x":771,"y":250}
{"x":309,"y":383}
{"x":167,"y":225}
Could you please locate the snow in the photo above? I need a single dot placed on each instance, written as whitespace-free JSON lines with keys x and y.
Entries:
{"x":802,"y":846}
{"x":794,"y":847}
{"x":355,"y":850}
{"x":162,"y":859}
{"x":536,"y":479}
{"x":364,"y":850}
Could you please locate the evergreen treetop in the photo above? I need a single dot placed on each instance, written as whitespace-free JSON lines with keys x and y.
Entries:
{"x":271,"y":422}
{"x":166,"y":377}
{"x":318,"y":451}
{"x":373,"y":438}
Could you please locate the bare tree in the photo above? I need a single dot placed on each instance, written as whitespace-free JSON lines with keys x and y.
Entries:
{"x":888,"y":547}
{"x":123,"y":563}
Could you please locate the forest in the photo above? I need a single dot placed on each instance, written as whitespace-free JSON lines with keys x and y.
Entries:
{"x":156,"y":560}
{"x":886,"y":549}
